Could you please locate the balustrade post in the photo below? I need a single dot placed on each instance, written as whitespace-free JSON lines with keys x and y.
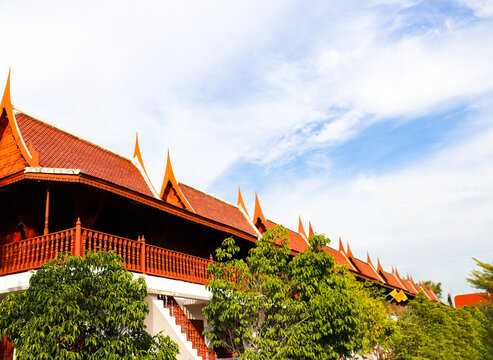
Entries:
{"x":143,"y":255}
{"x":77,"y":240}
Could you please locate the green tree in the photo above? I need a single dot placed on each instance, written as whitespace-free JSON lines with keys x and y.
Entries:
{"x":483,"y":278}
{"x":433,"y":331}
{"x":275,"y":306}
{"x":82,"y":308}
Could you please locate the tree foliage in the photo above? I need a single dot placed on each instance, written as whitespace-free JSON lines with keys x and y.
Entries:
{"x":275,"y":306}
{"x":82,"y":308}
{"x":483,"y":278}
{"x":433,"y":331}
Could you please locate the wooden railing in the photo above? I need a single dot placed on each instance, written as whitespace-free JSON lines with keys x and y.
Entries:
{"x":187,"y":327}
{"x":32,"y":253}
{"x":175,"y":265}
{"x":128,"y":249}
{"x":136,"y":254}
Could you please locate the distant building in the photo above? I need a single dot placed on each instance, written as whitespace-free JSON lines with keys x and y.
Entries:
{"x":62,"y":193}
{"x":472,"y":299}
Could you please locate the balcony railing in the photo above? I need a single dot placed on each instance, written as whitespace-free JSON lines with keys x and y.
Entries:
{"x":137,"y":256}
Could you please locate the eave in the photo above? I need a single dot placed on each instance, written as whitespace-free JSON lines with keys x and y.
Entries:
{"x":85,"y":179}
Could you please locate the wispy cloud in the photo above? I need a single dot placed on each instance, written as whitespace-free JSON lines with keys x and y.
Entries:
{"x":232,"y":85}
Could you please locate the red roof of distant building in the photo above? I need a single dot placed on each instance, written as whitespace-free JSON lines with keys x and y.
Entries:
{"x":59,"y":149}
{"x":296,"y":241}
{"x":470,"y":299}
{"x":217,"y":210}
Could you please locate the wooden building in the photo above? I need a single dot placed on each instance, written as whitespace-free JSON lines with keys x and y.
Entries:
{"x":62,"y":193}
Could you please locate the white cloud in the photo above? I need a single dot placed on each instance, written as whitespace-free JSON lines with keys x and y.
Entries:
{"x":428,"y":218}
{"x":481,"y":8}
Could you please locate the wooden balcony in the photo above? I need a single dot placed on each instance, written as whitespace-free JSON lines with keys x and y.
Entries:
{"x":137,"y":256}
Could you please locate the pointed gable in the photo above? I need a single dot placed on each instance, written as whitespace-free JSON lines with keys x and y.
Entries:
{"x":258,"y":217}
{"x":310,"y":229}
{"x":14,"y":154}
{"x":241,"y":203}
{"x":365,"y":270}
{"x":171,"y":192}
{"x":301,"y":229}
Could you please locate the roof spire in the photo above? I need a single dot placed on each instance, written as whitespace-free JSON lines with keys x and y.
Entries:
{"x":258,"y":215}
{"x":310,"y":229}
{"x":349,"y":253}
{"x":170,"y":191}
{"x":301,"y":229}
{"x":368,"y":260}
{"x":31,"y":157}
{"x":240,"y":202}
{"x":341,"y":247}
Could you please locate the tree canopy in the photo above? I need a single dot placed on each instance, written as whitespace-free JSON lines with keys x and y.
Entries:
{"x":275,"y":306}
{"x":433,"y":331}
{"x":82,"y":308}
{"x":482,"y":278}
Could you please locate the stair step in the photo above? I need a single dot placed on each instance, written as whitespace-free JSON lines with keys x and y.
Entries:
{"x":187,"y":327}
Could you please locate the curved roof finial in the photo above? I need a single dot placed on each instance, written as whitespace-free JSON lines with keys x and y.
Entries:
{"x":240,"y":202}
{"x":341,"y":247}
{"x":258,"y":214}
{"x":31,"y":157}
{"x":301,"y":229}
{"x":310,"y":229}
{"x":170,"y":190}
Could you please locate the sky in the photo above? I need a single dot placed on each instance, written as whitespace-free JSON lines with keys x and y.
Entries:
{"x":372,"y":119}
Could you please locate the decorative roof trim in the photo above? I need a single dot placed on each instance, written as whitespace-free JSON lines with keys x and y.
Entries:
{"x":29,"y":154}
{"x":301,"y":229}
{"x":258,"y":216}
{"x":45,"y":170}
{"x":240,"y":203}
{"x":169,"y":182}
{"x":341,"y":247}
{"x":310,"y":229}
{"x":139,"y":164}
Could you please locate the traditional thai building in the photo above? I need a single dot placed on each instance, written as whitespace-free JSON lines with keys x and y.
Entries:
{"x":62,"y":193}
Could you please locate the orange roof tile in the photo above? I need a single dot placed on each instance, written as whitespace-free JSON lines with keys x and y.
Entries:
{"x":217,"y":210}
{"x":59,"y":149}
{"x":340,"y":258}
{"x":296,"y":241}
{"x":366,"y":270}
{"x":470,"y":299}
{"x":408,"y":286}
{"x":392,"y":280}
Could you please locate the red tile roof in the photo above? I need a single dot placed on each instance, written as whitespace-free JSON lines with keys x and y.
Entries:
{"x":340,"y":258}
{"x":393,"y":281}
{"x":217,"y":210}
{"x":59,"y":149}
{"x":366,"y":269}
{"x":296,"y":241}
{"x":469,"y":299}
{"x":408,"y":286}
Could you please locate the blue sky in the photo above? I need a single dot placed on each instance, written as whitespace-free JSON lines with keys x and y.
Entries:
{"x":372,"y":119}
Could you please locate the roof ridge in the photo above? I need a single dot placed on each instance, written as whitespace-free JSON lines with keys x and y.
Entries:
{"x":18,"y":111}
{"x":206,"y":193}
{"x":284,"y":227}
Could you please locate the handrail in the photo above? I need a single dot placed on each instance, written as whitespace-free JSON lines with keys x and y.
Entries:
{"x":137,"y":256}
{"x":32,"y":253}
{"x":175,"y":265}
{"x":128,"y":249}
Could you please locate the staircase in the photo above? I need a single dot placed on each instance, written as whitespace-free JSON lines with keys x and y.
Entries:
{"x":187,"y":327}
